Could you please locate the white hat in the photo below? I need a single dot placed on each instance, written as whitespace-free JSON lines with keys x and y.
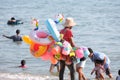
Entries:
{"x":69,"y":22}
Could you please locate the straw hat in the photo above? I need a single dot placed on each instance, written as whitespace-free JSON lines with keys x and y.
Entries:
{"x":69,"y":22}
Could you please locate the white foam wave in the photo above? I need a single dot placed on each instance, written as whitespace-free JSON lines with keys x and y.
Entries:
{"x":24,"y":76}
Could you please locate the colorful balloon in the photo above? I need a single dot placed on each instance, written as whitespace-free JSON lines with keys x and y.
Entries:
{"x":55,"y":50}
{"x":79,"y":53}
{"x":46,"y":56}
{"x":86,"y":52}
{"x":72,"y":54}
{"x":66,"y":48}
{"x":57,"y":56}
{"x":53,"y":60}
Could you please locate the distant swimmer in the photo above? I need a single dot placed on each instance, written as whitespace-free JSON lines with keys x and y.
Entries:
{"x":13,"y":21}
{"x":23,"y":62}
{"x":16,"y":37}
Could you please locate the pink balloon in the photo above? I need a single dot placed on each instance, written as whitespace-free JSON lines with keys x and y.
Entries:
{"x":79,"y":53}
{"x":46,"y":56}
{"x":41,"y":34}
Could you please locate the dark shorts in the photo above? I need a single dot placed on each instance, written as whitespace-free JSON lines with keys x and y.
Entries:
{"x":107,"y":71}
{"x":57,"y":64}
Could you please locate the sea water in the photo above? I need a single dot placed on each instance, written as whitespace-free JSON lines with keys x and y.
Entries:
{"x":97,"y":27}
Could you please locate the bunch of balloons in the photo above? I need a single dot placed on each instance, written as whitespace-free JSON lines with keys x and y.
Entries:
{"x":44,"y":46}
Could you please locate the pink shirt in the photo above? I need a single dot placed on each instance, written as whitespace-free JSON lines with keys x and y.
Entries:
{"x":23,"y":66}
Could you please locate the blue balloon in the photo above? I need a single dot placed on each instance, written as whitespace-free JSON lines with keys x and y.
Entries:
{"x":86,"y":52}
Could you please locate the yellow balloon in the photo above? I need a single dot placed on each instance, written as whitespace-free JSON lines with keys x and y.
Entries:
{"x":26,"y":39}
{"x":72,"y":54}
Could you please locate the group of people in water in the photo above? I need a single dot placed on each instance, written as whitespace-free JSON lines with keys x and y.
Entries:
{"x":100,"y":60}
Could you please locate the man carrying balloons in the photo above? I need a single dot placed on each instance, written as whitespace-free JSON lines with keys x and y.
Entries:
{"x":66,"y":61}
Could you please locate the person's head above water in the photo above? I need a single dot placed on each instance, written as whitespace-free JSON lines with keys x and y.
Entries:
{"x":17,"y":31}
{"x":23,"y":62}
{"x":12,"y":18}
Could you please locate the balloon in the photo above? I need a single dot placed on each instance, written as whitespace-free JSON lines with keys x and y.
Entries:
{"x":66,"y":48}
{"x":86,"y":52}
{"x":59,"y":43}
{"x":53,"y":60}
{"x":57,"y":56}
{"x":26,"y":39}
{"x":46,"y":56}
{"x":56,"y":49}
{"x":79,"y":53}
{"x":72,"y":54}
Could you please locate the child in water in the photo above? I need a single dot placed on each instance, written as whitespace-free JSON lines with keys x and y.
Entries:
{"x":98,"y":71}
{"x":23,"y":62}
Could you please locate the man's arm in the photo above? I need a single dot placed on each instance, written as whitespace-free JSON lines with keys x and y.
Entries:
{"x":10,"y":37}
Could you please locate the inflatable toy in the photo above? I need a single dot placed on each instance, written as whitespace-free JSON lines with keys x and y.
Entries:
{"x":79,"y":53}
{"x":36,"y":23}
{"x":52,"y":28}
{"x":40,"y":37}
{"x":26,"y":39}
{"x":66,"y":48}
{"x":59,"y":18}
{"x":38,"y":50}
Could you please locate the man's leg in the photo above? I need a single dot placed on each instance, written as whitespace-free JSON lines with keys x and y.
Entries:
{"x":62,"y":68}
{"x":72,"y":71}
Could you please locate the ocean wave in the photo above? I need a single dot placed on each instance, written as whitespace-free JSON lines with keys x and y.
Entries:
{"x":24,"y":76}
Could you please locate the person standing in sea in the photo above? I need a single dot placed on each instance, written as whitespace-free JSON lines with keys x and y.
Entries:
{"x":16,"y":37}
{"x":66,"y":61}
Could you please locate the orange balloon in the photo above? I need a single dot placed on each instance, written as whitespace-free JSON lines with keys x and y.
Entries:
{"x":55,"y":50}
{"x":53,"y":60}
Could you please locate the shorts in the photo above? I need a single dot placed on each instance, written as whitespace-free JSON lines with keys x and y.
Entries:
{"x":81,"y":64}
{"x":107,"y":70}
{"x":57,"y":64}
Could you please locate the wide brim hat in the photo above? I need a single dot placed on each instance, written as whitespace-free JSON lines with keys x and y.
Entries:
{"x":69,"y":22}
